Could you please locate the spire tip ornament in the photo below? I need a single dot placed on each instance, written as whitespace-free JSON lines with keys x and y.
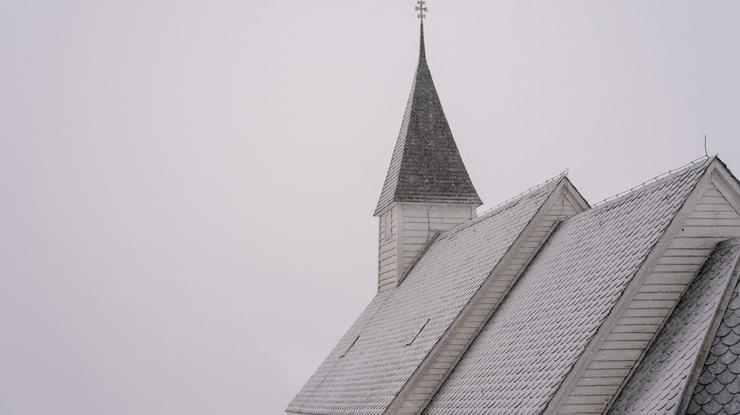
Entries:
{"x":421,"y":10}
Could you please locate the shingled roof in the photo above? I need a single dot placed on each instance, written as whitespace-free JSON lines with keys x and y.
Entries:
{"x":663,"y":379}
{"x":717,"y":389}
{"x":544,"y":304}
{"x":399,"y":327}
{"x":529,"y":346}
{"x":521,"y":358}
{"x":426,"y":165}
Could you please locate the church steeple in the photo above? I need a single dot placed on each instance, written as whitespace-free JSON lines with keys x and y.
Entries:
{"x":426,"y":165}
{"x":427,"y":189}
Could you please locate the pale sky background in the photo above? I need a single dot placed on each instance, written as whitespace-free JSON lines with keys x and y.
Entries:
{"x":187,"y":186}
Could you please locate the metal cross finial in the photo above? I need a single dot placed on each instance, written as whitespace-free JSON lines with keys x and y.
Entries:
{"x":421,"y":8}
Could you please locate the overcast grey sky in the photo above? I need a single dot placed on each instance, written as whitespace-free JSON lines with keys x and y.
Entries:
{"x":188,"y":185}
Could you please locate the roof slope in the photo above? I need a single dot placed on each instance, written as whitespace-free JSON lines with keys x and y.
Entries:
{"x":372,"y":373}
{"x":426,"y":165}
{"x":658,"y":384}
{"x":718,"y":388}
{"x":568,"y":290}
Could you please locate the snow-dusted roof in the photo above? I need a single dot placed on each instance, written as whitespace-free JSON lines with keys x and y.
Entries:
{"x":717,"y":389}
{"x":524,"y":353}
{"x":664,"y":376}
{"x":531,"y":345}
{"x":362,"y":375}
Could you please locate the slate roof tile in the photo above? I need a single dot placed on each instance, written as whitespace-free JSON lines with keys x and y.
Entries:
{"x":718,"y":387}
{"x":659,"y":382}
{"x":369,"y":376}
{"x":528,"y":347}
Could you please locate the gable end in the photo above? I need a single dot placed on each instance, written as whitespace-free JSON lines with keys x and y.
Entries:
{"x":705,"y":219}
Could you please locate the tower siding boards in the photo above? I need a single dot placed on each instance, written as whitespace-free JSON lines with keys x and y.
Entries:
{"x":563,"y":204}
{"x":406,"y":229}
{"x":388,"y":249}
{"x":711,"y":220}
{"x":421,"y":221}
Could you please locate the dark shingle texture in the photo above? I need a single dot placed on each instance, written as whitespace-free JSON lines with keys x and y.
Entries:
{"x":718,"y":388}
{"x":366,"y":379}
{"x":659,"y":382}
{"x":426,"y":165}
{"x":528,"y":347}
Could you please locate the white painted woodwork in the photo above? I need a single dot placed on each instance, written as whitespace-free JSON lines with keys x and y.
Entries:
{"x":388,"y":249}
{"x":637,"y":319}
{"x":405,"y":229}
{"x":563,"y":203}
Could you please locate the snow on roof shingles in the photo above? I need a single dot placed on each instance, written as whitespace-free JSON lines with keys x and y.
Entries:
{"x":371,"y":374}
{"x":718,"y":388}
{"x":662,"y":376}
{"x":535,"y":337}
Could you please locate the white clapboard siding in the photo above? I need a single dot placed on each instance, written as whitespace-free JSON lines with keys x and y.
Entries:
{"x":711,"y":220}
{"x":388,"y":249}
{"x":440,"y":362}
{"x":405,"y":229}
{"x":420,"y":222}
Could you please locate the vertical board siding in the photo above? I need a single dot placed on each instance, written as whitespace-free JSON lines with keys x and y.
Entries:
{"x":443,"y":359}
{"x":712,"y":220}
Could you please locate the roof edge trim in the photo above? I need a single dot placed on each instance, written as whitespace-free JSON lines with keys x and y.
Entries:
{"x":719,"y":313}
{"x":653,"y":180}
{"x":501,"y":205}
{"x":515,"y":246}
{"x":656,"y":251}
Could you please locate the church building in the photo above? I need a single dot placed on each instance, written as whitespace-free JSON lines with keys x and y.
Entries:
{"x":545,"y":304}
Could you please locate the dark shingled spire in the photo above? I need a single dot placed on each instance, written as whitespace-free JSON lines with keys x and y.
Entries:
{"x":426,"y":165}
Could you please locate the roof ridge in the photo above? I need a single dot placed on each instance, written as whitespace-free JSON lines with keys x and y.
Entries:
{"x":653,"y":180}
{"x":532,"y":189}
{"x":490,"y":212}
{"x":572,"y":285}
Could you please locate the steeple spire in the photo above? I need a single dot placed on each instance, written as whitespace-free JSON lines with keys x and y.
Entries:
{"x":427,"y":189}
{"x":422,"y":49}
{"x":426,"y":165}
